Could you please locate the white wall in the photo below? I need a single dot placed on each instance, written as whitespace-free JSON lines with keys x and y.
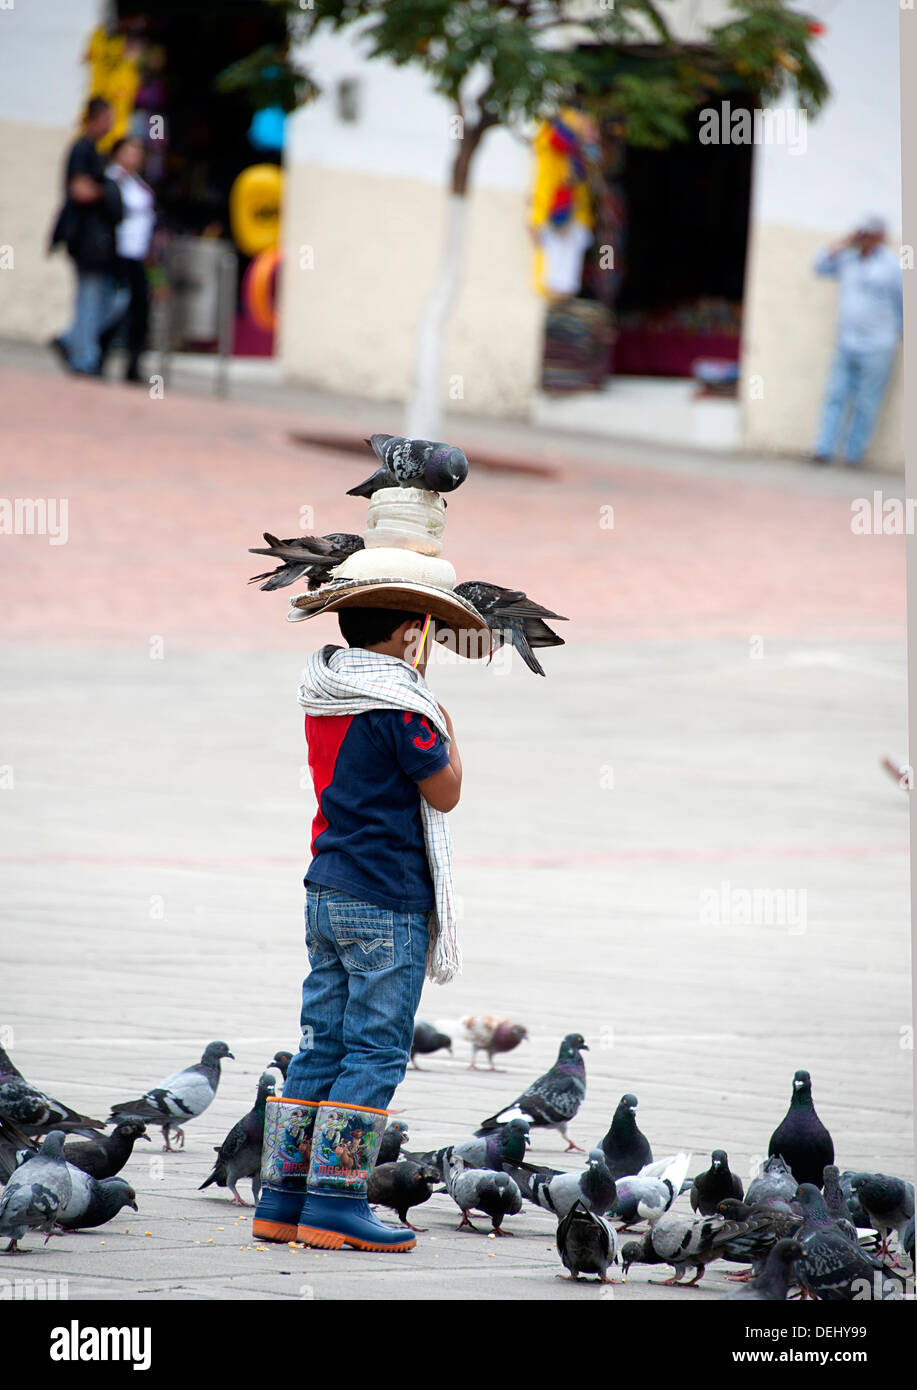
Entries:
{"x":851,"y":166}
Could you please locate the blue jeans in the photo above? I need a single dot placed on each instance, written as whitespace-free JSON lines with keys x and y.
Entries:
{"x":100,"y":301}
{"x":359,"y":999}
{"x":856,"y":388}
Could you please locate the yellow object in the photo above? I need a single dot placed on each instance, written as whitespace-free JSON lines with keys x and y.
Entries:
{"x":115,"y":75}
{"x":255,"y":201}
{"x":552,"y":170}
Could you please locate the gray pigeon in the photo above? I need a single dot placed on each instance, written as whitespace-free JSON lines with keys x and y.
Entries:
{"x":481,"y":1189}
{"x":93,"y":1203}
{"x":836,"y":1202}
{"x":761,"y":1227}
{"x":888,"y":1203}
{"x":831,"y":1267}
{"x":685,"y":1242}
{"x":801,"y":1138}
{"x":513,"y":617}
{"x":34,"y":1112}
{"x":554,"y":1099}
{"x":647,"y":1195}
{"x":180,"y":1097}
{"x":38,"y":1190}
{"x":772,"y":1284}
{"x":586,"y":1243}
{"x":413,"y":463}
{"x":428,"y":1039}
{"x":239,"y":1155}
{"x":593,"y":1188}
{"x":312,"y":556}
{"x":773,"y":1182}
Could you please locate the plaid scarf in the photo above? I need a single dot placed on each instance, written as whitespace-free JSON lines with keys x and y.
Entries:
{"x":352,"y":680}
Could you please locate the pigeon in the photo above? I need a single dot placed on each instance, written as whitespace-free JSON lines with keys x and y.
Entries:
{"x":481,"y":1189}
{"x":626,"y":1150}
{"x":312,"y":556}
{"x":33,"y":1111}
{"x":759,"y":1229}
{"x":513,"y":617}
{"x":801,"y":1138}
{"x":681,"y":1241}
{"x":586,"y":1243}
{"x":107,"y":1154}
{"x":715,"y":1185}
{"x":772,"y":1284}
{"x":774,"y":1182}
{"x":887,"y":1202}
{"x":647,"y":1195}
{"x":13,"y":1141}
{"x":402,"y":1185}
{"x":854,"y":1209}
{"x":390,"y":1147}
{"x":38,"y":1190}
{"x":239,"y":1155}
{"x":836,"y":1202}
{"x":413,"y":463}
{"x":426,"y":1040}
{"x":594,"y":1187}
{"x":492,"y":1035}
{"x":93,"y":1203}
{"x":180,"y":1097}
{"x":553,"y":1100}
{"x":281,"y":1060}
{"x":831,"y":1267}
{"x":500,"y":1150}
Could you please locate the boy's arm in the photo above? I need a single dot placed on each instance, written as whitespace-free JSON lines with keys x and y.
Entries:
{"x":444,"y":788}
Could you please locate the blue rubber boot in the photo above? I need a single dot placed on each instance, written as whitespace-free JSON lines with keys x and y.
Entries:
{"x":345,"y":1143}
{"x":285,"y":1157}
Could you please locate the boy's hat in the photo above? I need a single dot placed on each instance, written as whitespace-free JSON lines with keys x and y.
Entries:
{"x":386,"y":577}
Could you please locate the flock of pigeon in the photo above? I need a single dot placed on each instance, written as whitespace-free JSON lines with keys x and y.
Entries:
{"x":802,"y":1224}
{"x":509,"y":613}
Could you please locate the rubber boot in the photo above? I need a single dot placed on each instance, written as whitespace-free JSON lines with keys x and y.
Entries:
{"x":344,"y":1147}
{"x":288,"y":1125}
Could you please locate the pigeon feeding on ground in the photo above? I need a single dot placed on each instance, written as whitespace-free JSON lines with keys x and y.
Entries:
{"x":761,"y":1227}
{"x":685,"y":1242}
{"x":37,"y":1192}
{"x":832,"y":1267}
{"x":106,"y":1155}
{"x":715,"y":1184}
{"x":402,"y":1185}
{"x":513,"y":617}
{"x":888,"y":1204}
{"x":774,"y":1182}
{"x":32,"y":1110}
{"x":626,"y":1150}
{"x":801,"y":1138}
{"x":239,"y":1155}
{"x":419,"y":463}
{"x":586,"y":1243}
{"x":93,"y":1203}
{"x":180,"y":1097}
{"x":428,"y":1039}
{"x":281,"y":1060}
{"x":481,"y":1189}
{"x":594,"y":1187}
{"x":776,"y":1277}
{"x":395,"y":1135}
{"x":312,"y":556}
{"x":554,"y":1099}
{"x":487,"y":1033}
{"x":647,"y":1195}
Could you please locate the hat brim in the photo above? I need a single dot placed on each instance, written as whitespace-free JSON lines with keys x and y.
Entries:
{"x":452,"y":613}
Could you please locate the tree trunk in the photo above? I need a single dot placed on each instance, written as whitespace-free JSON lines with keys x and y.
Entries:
{"x":423,"y":415}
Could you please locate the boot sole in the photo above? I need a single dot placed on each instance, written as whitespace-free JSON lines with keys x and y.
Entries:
{"x":333,"y":1240}
{"x":273,"y":1230}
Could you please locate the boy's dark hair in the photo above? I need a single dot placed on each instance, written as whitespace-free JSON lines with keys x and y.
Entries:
{"x":364,"y":627}
{"x":95,"y":106}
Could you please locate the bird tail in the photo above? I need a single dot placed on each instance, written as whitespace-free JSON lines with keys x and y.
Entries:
{"x":520,"y":641}
{"x":218,"y":1176}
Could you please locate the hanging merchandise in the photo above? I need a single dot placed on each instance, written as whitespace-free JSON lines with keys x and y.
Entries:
{"x":255,"y":200}
{"x":561,"y":194}
{"x":259,"y":289}
{"x":114,"y":75}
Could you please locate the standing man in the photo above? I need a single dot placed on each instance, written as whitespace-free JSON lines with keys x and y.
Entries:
{"x":86,"y":225}
{"x":868,"y":328}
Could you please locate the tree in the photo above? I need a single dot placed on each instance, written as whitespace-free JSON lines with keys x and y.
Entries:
{"x":511,"y":62}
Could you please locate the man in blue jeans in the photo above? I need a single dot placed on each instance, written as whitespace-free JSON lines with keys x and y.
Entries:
{"x":379,"y":911}
{"x":868,"y":329}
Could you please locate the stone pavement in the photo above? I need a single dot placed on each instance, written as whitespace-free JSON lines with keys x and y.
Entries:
{"x":734,"y":673}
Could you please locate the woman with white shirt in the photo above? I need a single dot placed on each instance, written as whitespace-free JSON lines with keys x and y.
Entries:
{"x":133,"y":236}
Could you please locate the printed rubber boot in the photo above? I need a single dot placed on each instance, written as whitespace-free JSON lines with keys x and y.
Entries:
{"x":288,"y":1125}
{"x":345,"y":1143}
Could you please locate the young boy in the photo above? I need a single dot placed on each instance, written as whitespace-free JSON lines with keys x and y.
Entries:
{"x":385,"y":766}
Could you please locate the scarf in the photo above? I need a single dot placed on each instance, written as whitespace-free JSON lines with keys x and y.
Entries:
{"x":352,"y":680}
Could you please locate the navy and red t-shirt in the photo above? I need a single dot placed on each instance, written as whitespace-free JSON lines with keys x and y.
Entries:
{"x":367,"y":836}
